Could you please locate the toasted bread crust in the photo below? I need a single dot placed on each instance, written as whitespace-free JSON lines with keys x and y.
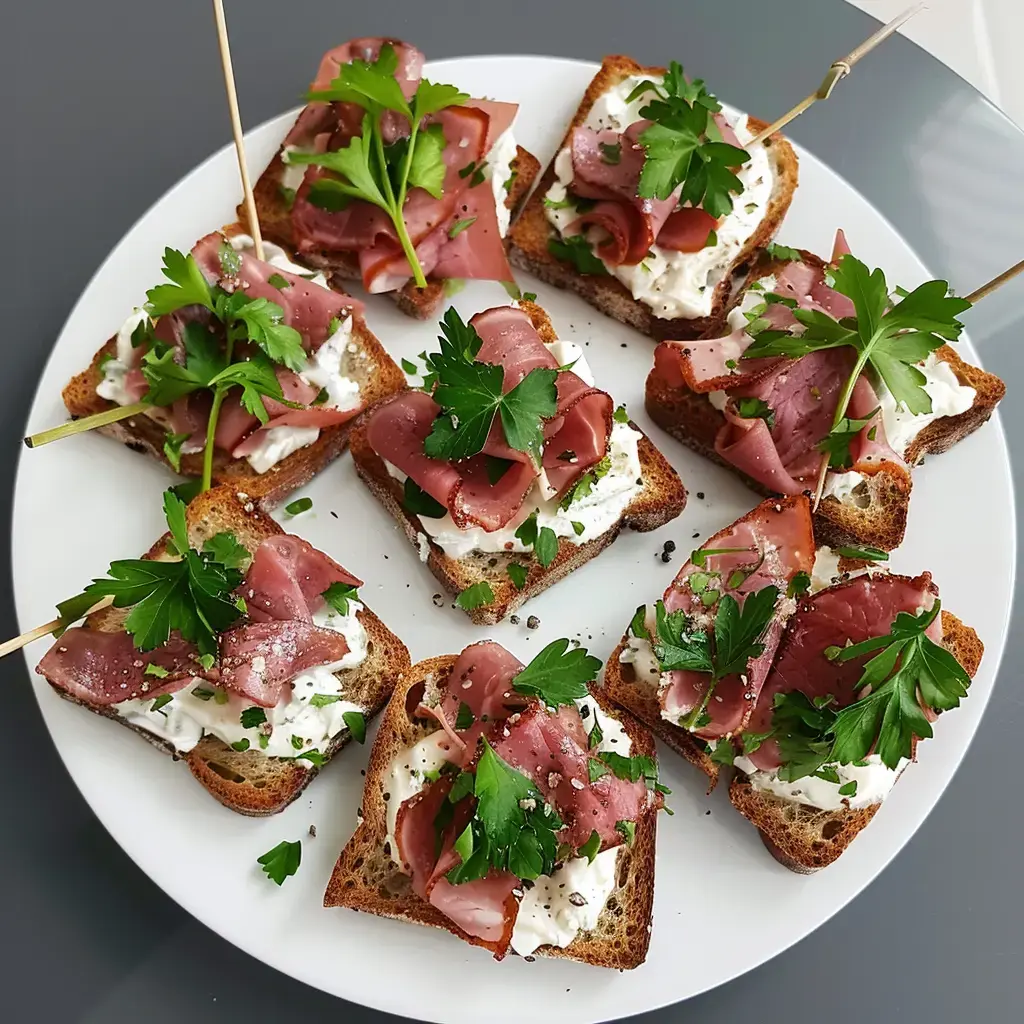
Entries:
{"x":343,"y":266}
{"x":801,"y":837}
{"x":531,"y":231}
{"x":248,"y":781}
{"x":376,"y":373}
{"x":662,"y":499}
{"x":365,"y":877}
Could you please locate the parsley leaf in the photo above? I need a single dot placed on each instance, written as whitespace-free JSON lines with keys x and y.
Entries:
{"x":192,"y":596}
{"x":172,"y":449}
{"x":775,"y":251}
{"x":417,"y":501}
{"x":338,"y":595}
{"x":282,"y":861}
{"x":471,"y":393}
{"x":511,"y":830}
{"x":188,"y":287}
{"x":558,"y":674}
{"x":546,"y":546}
{"x":264,"y":323}
{"x":908,"y":664}
{"x":683,"y":147}
{"x":465,"y":718}
{"x":627,"y":829}
{"x":591,"y":847}
{"x":252,"y":717}
{"x":585,"y":484}
{"x":579,"y":252}
{"x":476,"y":596}
{"x":356,"y":723}
{"x":756,"y":409}
{"x":223,"y":547}
{"x":836,"y":444}
{"x":518,"y":574}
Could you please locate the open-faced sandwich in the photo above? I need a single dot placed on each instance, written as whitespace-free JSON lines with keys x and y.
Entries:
{"x":511,"y":806}
{"x":823,"y":382}
{"x":652,"y":209}
{"x":510,"y":468}
{"x":234,"y":646}
{"x":809,"y":671}
{"x":398,"y":181}
{"x":236,"y":370}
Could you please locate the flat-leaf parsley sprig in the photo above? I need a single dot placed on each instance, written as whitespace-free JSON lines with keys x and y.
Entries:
{"x":907,"y":675}
{"x":207,"y":357}
{"x":684,"y":145}
{"x":724,"y":650}
{"x":367,"y":167}
{"x":471,"y":394}
{"x":889,"y":338}
{"x":192,"y":596}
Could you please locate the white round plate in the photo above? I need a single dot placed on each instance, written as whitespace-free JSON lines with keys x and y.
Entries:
{"x":85,"y":501}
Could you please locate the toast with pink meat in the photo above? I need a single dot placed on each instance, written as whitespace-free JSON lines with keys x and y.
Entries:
{"x":827,"y":384}
{"x":388,"y":178}
{"x":809,"y":673}
{"x":505,"y":497}
{"x":237,"y":370}
{"x":232,"y":646}
{"x":652,"y":209}
{"x":510,"y":805}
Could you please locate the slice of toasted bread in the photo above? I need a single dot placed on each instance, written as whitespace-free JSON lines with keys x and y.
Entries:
{"x":272,"y":208}
{"x":366,"y":878}
{"x":877,"y":518}
{"x":801,"y":837}
{"x":365,"y":361}
{"x":531,"y":231}
{"x":662,"y":498}
{"x":804,"y":838}
{"x":248,"y":781}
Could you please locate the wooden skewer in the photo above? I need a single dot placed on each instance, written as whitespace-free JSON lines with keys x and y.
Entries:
{"x":236,"y":126}
{"x":46,"y":629}
{"x":987,"y":289}
{"x":839,"y":70}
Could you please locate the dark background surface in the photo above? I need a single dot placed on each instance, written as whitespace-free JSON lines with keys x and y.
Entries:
{"x":114,"y":100}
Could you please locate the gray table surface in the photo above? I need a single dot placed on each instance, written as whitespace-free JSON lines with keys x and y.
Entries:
{"x":114,"y":100}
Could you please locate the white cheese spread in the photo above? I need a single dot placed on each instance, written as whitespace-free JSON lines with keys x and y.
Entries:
{"x":499,"y":169}
{"x":874,"y":781}
{"x":949,"y":398}
{"x":294,"y":726}
{"x":560,"y":906}
{"x":825,"y":570}
{"x":408,"y":774}
{"x":850,"y":488}
{"x":674,"y":284}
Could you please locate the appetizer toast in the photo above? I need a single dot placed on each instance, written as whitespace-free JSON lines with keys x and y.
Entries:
{"x":453,"y":227}
{"x":701,"y":404}
{"x":803,"y":796}
{"x":362,"y":363}
{"x":533,"y":233}
{"x":245,"y":780}
{"x":501,"y":579}
{"x":369,"y":876}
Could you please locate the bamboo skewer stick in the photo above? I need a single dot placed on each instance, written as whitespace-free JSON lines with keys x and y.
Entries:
{"x":236,"y":126}
{"x":100,"y":419}
{"x":997,"y":282}
{"x":46,"y":629}
{"x":839,"y":70}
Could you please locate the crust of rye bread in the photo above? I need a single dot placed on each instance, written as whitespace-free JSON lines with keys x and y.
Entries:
{"x":801,"y":837}
{"x":370,"y":366}
{"x":662,"y":498}
{"x":248,"y":781}
{"x":343,"y":266}
{"x":365,"y":877}
{"x":691,"y":419}
{"x":531,"y":231}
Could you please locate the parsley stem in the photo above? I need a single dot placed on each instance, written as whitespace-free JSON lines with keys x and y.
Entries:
{"x":398,"y":215}
{"x":211,"y":424}
{"x":100,"y":419}
{"x":693,"y":717}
